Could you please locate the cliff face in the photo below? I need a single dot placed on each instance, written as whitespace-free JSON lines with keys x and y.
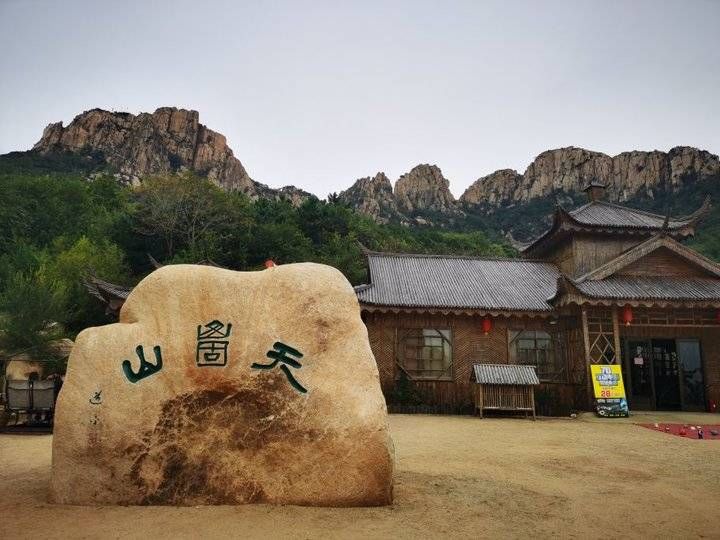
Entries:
{"x":374,"y":197}
{"x":419,"y":196}
{"x":173,"y":139}
{"x":167,"y":140}
{"x":425,"y":189}
{"x":504,"y":183}
{"x":568,"y":170}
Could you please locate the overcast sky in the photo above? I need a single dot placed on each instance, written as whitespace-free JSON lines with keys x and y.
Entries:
{"x":318,"y":94}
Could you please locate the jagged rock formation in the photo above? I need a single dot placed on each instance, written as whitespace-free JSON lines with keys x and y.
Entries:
{"x":419,"y":196}
{"x":374,"y":197}
{"x":568,"y":170}
{"x":503,"y":181}
{"x":167,"y":140}
{"x":424,"y":189}
{"x":173,"y":139}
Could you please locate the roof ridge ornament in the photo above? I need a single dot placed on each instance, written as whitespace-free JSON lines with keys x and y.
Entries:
{"x":595,"y":190}
{"x":666,"y":223}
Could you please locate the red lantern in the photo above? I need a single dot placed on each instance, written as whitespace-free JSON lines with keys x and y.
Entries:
{"x":627,"y":315}
{"x":270,"y":263}
{"x":487,"y":324}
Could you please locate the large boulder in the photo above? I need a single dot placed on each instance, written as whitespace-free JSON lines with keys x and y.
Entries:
{"x":222,"y":387}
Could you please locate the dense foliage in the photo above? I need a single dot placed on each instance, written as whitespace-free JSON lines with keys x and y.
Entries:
{"x":66,"y":216}
{"x":59,"y":226}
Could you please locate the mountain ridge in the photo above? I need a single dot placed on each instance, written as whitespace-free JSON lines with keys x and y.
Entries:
{"x":167,"y":140}
{"x":172,"y":139}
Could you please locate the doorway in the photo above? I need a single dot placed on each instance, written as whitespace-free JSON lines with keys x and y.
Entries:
{"x":663,"y":374}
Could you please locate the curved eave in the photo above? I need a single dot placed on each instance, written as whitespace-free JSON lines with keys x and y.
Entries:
{"x":566,"y":229}
{"x":564,"y":221}
{"x":568,"y":293}
{"x":640,"y":302}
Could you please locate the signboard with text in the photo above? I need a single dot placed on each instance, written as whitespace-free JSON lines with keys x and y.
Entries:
{"x":609,"y":390}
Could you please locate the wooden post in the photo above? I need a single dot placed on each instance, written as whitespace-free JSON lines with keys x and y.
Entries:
{"x":480,"y":403}
{"x":532,"y":398}
{"x":616,"y":333}
{"x":588,"y":360}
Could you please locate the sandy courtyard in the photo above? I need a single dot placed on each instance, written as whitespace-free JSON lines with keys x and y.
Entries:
{"x":455,"y":476}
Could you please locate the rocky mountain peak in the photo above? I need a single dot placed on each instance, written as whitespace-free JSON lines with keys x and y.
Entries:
{"x":168,"y":140}
{"x":172,"y":139}
{"x":419,"y":195}
{"x":372,"y":196}
{"x":424,"y":189}
{"x":569,"y":170}
{"x":504,"y":180}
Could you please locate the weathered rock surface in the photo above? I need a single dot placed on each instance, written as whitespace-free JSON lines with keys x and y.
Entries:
{"x":424,"y":189}
{"x":568,"y":170}
{"x":420,"y":193}
{"x":374,"y":197}
{"x":201,"y":427}
{"x":171,"y":139}
{"x":167,"y":140}
{"x":503,"y":182}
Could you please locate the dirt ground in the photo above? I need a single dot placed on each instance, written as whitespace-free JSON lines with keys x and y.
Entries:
{"x":455,"y":477}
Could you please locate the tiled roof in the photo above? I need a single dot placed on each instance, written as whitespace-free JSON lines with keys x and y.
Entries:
{"x":504,"y":374}
{"x":101,"y":289}
{"x":605,"y":214}
{"x":652,"y":288}
{"x":437,"y":281}
{"x":602,"y":215}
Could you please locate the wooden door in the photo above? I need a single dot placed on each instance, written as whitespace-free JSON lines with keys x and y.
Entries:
{"x":666,"y":374}
{"x":692,"y":381}
{"x":638,"y":361}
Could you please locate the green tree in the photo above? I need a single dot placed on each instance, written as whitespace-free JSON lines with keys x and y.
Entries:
{"x":30,"y":315}
{"x":67,"y":266}
{"x":184,"y":212}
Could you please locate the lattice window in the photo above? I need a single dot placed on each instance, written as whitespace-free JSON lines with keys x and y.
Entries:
{"x":601,"y":337}
{"x":426,"y":353}
{"x":539,"y":349}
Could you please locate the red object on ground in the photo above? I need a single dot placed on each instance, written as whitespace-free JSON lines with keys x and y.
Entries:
{"x":270,"y":263}
{"x":682,"y":431}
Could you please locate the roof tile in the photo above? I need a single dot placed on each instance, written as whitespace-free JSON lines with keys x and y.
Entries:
{"x":504,"y":374}
{"x":459,"y":282}
{"x":652,"y":288}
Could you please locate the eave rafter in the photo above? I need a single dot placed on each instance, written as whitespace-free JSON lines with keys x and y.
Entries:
{"x":371,"y":308}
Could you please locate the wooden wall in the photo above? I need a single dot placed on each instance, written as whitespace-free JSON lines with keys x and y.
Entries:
{"x":590,"y":252}
{"x":662,"y":262}
{"x":563,"y":257}
{"x":470,"y":346}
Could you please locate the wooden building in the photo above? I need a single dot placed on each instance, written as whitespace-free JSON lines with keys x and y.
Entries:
{"x":605,"y":284}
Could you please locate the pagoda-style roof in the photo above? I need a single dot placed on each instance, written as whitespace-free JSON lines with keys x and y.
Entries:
{"x":603,"y":217}
{"x":608,"y":284}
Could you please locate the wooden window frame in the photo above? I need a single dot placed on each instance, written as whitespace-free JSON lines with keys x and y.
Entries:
{"x":556,"y":350}
{"x":404,"y":333}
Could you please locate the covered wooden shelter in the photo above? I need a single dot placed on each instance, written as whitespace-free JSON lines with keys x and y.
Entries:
{"x":504,"y":387}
